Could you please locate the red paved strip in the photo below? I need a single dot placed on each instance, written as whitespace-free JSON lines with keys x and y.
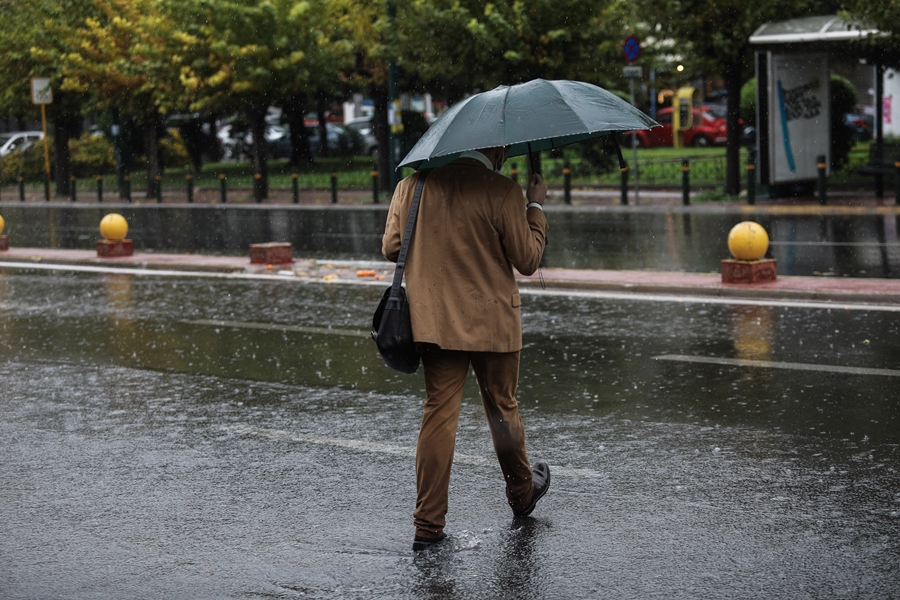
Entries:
{"x":843,"y":289}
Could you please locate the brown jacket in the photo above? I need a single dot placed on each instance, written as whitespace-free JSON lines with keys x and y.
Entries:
{"x":472,"y":229}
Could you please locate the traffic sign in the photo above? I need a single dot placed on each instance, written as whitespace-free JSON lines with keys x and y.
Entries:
{"x":632,"y":48}
{"x":632,"y":72}
{"x":41,"y":92}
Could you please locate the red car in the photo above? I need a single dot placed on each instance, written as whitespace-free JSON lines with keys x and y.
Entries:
{"x":708,"y":130}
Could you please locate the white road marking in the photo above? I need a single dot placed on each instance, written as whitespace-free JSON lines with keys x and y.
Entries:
{"x":379,"y":448}
{"x":768,"y":364}
{"x":280,"y":327}
{"x":591,"y":294}
{"x":641,"y":297}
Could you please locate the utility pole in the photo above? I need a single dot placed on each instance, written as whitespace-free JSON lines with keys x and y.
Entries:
{"x":394,"y":121}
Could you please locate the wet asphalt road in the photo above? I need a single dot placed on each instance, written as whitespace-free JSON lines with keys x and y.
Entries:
{"x":173,"y":437}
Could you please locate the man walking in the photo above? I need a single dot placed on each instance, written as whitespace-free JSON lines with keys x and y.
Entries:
{"x":473,"y":227}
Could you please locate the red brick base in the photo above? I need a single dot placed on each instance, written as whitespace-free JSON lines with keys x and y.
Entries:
{"x":4,"y":242}
{"x":748,"y":271}
{"x":110,"y":249}
{"x":272,"y":253}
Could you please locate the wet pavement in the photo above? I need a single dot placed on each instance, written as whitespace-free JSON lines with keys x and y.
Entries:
{"x":859,"y":241}
{"x":233,"y":434}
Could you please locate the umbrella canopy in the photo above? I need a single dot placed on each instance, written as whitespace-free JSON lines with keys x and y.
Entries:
{"x":527,"y":117}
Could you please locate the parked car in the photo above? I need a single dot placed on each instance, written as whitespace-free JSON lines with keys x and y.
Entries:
{"x":862,"y":126}
{"x":363,"y":126}
{"x":341,"y":141}
{"x":17,"y":141}
{"x":708,"y":130}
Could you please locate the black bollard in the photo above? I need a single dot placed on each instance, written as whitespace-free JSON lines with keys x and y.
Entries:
{"x":751,"y":178}
{"x":99,"y":188}
{"x":223,"y":187}
{"x":190,"y":187}
{"x":21,"y":189}
{"x":514,"y":173}
{"x":375,"y":193}
{"x":897,"y":181}
{"x":823,"y":166}
{"x":257,"y":188}
{"x":567,"y":183}
{"x":686,"y":181}
{"x":157,"y":180}
{"x":334,"y":187}
{"x":73,"y":192}
{"x":624,"y":171}
{"x":295,"y":187}
{"x":126,"y":181}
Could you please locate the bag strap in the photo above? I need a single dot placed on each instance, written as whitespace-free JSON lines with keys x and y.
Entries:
{"x":407,"y":235}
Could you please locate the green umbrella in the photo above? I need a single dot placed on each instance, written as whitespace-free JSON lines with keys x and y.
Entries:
{"x":527,"y":117}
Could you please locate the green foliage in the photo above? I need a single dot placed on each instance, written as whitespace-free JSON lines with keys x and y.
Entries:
{"x":91,"y":155}
{"x":28,"y":163}
{"x":596,"y":156}
{"x":173,"y":152}
{"x":464,"y":45}
{"x":884,"y":16}
{"x":748,"y":102}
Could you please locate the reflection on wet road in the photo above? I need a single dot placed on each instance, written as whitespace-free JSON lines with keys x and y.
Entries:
{"x":175,"y":437}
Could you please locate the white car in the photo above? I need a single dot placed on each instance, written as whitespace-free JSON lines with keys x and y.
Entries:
{"x":363,"y":126}
{"x":19,"y":140}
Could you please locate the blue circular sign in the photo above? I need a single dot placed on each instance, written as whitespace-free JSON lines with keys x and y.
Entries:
{"x":632,"y":48}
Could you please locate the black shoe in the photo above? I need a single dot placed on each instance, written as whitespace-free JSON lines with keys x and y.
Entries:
{"x":540,"y":474}
{"x":423,"y":543}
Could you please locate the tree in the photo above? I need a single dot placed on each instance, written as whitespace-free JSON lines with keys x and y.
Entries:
{"x":452,"y":48}
{"x":128,"y":57}
{"x":883,"y":15}
{"x":24,"y":28}
{"x":248,"y":55}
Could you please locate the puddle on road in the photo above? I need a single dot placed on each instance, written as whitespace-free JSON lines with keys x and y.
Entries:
{"x":582,"y":356}
{"x":224,"y":410}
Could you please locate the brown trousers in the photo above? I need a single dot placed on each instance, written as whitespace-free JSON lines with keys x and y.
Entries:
{"x":445,"y":374}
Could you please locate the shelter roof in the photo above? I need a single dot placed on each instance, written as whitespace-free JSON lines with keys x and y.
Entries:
{"x":829,"y":28}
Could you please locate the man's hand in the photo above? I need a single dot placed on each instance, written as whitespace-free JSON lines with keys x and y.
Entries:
{"x":537,"y":189}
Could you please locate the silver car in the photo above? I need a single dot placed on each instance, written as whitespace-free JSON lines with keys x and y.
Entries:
{"x":363,"y":126}
{"x":17,"y":141}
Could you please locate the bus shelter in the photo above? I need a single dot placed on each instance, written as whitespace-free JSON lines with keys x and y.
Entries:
{"x":792,"y":96}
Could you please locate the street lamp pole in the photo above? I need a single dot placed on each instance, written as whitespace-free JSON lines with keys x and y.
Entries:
{"x":394,"y":142}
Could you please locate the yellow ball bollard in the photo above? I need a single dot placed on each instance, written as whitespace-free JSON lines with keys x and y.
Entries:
{"x":748,"y":241}
{"x":2,"y":224}
{"x":4,"y":241}
{"x":114,"y":227}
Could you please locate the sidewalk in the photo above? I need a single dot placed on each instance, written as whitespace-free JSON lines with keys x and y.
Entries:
{"x":838,"y":290}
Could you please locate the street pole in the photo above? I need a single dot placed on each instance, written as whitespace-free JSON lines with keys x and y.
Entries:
{"x":634,"y":159}
{"x":42,"y":94}
{"x":46,"y":154}
{"x":393,"y":141}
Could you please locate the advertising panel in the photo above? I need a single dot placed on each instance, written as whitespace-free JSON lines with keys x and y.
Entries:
{"x":799,"y":108}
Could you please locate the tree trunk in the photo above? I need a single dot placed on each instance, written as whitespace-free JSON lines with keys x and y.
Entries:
{"x":151,"y":147}
{"x":295,"y":111}
{"x":63,"y":126}
{"x":258,"y":151}
{"x":382,"y":134}
{"x":732,"y":78}
{"x":322,"y":127}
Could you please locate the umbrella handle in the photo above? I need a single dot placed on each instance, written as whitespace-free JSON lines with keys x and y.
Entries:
{"x":622,"y":164}
{"x":532,"y":163}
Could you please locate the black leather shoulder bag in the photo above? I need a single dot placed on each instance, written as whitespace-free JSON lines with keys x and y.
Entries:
{"x":391,"y":325}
